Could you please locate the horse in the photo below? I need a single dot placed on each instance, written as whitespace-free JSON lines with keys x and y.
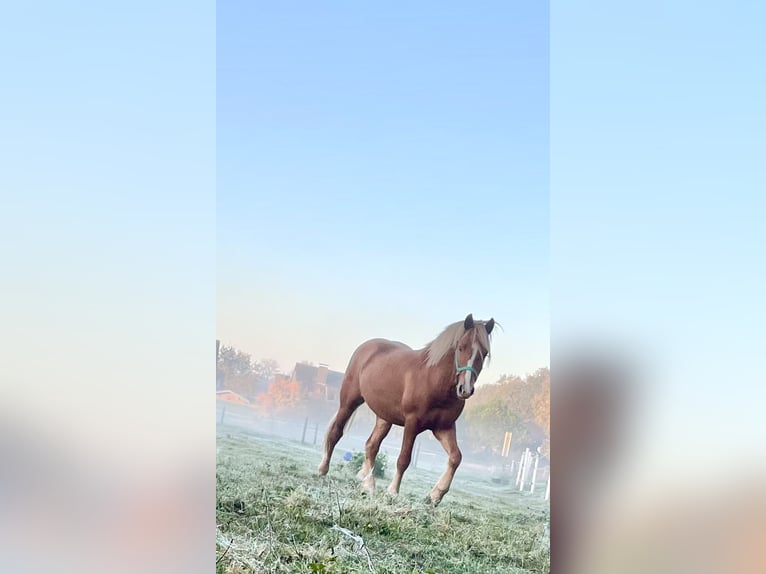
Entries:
{"x":419,"y":390}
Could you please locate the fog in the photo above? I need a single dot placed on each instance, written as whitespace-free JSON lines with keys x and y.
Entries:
{"x":306,"y":427}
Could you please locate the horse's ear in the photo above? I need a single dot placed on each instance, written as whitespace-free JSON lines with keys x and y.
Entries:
{"x":468,"y":324}
{"x":490,"y":325}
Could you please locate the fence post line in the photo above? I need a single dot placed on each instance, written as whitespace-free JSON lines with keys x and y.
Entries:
{"x":223,"y":414}
{"x":305,"y":426}
{"x":518,"y":472}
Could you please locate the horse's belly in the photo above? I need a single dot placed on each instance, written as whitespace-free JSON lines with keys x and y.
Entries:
{"x":385,"y":409}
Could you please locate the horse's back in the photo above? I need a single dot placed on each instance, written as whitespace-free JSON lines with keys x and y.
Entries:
{"x":371,"y":350}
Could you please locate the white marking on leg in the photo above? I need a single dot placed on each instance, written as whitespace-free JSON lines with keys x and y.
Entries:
{"x":442,"y":485}
{"x":445,"y":479}
{"x":393,"y":488}
{"x":364,"y":472}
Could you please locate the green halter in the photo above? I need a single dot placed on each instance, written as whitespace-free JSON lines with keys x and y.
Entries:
{"x":466,"y":368}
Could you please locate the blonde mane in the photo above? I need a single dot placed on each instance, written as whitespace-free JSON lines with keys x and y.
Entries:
{"x":448,"y":339}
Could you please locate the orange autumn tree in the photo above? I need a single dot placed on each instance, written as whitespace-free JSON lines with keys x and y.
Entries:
{"x":282,"y":394}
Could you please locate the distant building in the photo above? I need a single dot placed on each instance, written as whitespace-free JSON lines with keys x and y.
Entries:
{"x":231,"y":397}
{"x":320,"y":380}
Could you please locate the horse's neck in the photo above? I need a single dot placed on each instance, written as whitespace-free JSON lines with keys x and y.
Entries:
{"x":443,"y":373}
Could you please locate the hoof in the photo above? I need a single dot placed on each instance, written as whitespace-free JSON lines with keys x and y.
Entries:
{"x":322,"y":469}
{"x":435,"y":498}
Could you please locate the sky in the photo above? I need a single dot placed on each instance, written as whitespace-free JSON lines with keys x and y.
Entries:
{"x":382,"y":171}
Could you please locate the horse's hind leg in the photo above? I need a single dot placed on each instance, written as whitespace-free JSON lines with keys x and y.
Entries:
{"x":366,"y":474}
{"x":350,"y":400}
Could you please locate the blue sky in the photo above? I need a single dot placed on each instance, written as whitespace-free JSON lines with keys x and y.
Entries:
{"x":382,"y":171}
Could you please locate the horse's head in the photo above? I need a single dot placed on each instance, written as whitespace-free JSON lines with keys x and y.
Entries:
{"x":471,"y":351}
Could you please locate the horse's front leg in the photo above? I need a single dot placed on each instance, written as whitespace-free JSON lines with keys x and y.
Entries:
{"x":448,"y":439}
{"x":367,"y":473}
{"x":408,"y":440}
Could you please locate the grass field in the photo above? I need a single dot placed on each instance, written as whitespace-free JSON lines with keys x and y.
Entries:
{"x":275,"y":514}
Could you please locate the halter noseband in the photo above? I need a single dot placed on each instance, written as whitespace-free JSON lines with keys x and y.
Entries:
{"x":466,"y":368}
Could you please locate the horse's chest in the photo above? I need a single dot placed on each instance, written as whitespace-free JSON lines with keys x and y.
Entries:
{"x":442,"y":414}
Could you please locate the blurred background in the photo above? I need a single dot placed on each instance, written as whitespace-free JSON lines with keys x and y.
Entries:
{"x":656,"y":281}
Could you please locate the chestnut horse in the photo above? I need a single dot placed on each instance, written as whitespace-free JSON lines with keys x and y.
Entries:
{"x":419,"y":390}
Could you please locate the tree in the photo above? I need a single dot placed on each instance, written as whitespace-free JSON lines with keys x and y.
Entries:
{"x":541,"y":405}
{"x":265,"y":369}
{"x":519,"y":405}
{"x":243,"y":375}
{"x":282,"y":394}
{"x":233,"y":362}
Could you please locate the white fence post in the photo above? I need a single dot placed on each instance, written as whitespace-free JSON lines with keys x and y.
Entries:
{"x":548,"y":488}
{"x":524,"y":468}
{"x":534,"y":473}
{"x":507,"y":444}
{"x":305,"y":426}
